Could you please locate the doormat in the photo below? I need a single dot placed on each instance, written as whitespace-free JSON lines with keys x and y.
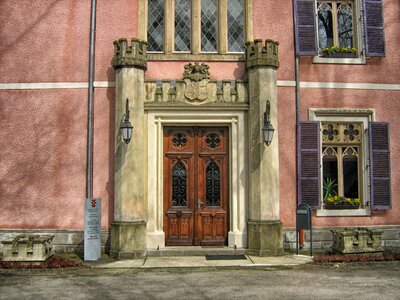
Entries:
{"x":225,"y":257}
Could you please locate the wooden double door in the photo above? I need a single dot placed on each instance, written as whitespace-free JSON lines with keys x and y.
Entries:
{"x":196,"y":185}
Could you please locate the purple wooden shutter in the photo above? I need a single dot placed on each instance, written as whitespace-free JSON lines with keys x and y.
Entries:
{"x":308,"y":156}
{"x":306,"y":34}
{"x":380,"y":165}
{"x":373,"y":23}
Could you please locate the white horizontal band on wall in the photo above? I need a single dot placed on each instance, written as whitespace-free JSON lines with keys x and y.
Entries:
{"x":281,"y":83}
{"x":54,"y":85}
{"x":340,"y":85}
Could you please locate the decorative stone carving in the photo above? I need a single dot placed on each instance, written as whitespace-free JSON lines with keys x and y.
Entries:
{"x":196,"y":78}
{"x":28,"y":248}
{"x":172,"y":92}
{"x":360,"y":240}
{"x":130,"y":56}
{"x":258,"y":55}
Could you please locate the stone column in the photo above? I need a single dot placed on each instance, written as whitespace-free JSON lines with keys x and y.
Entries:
{"x":264,"y":225}
{"x":128,"y":231}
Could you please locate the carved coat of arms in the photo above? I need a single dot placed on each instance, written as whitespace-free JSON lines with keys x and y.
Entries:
{"x":196,"y":78}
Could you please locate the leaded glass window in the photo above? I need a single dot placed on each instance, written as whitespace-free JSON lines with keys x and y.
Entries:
{"x":213,"y":185}
{"x":155,"y":26}
{"x":345,"y":25}
{"x":341,"y":161}
{"x":335,"y":24}
{"x":182,"y":25}
{"x":209,"y":28}
{"x":235,"y":25}
{"x":325,"y":26}
{"x":179,"y":197}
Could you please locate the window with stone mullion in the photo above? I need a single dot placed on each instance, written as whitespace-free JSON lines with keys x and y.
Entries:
{"x":335,"y":24}
{"x":155,"y":26}
{"x":209,"y":27}
{"x":183,"y":20}
{"x":235,"y":25}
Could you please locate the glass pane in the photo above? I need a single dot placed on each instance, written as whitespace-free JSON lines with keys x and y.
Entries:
{"x":155,"y":26}
{"x":209,"y":25}
{"x":182,"y":25}
{"x":235,"y":25}
{"x":350,"y":172}
{"x":330,"y":172}
{"x":179,"y":185}
{"x":325,"y":29}
{"x":213,"y":185}
{"x":345,"y":25}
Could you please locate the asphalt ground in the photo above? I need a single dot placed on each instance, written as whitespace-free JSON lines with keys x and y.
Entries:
{"x":377,"y":280}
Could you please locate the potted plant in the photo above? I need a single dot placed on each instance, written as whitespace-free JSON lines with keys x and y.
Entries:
{"x":339,"y":52}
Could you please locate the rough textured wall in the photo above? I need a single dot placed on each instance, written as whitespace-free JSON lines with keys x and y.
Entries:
{"x":42,"y":170}
{"x":43,"y":132}
{"x":44,"y":41}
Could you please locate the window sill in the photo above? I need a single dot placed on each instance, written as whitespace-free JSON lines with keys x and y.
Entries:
{"x":343,"y":212}
{"x":196,"y":57}
{"x":341,"y":61}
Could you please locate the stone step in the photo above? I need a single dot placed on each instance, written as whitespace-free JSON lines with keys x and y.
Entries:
{"x":194,"y":251}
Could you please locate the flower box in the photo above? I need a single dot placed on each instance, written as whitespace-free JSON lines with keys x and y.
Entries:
{"x":341,"y":206}
{"x":340,"y":55}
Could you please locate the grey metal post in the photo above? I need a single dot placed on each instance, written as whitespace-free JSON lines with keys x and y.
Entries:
{"x":89,"y":165}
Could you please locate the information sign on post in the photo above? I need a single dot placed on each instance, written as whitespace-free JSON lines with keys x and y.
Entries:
{"x":92,"y":232}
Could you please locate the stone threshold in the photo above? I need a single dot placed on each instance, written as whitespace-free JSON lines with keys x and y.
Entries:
{"x":194,"y":251}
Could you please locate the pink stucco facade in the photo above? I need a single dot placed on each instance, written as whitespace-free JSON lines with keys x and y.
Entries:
{"x":43,"y":130}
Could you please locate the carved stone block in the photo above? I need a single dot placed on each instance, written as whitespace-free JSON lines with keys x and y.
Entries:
{"x":360,"y":240}
{"x":28,"y":248}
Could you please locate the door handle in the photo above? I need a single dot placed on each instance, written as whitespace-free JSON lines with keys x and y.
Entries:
{"x":199,"y":203}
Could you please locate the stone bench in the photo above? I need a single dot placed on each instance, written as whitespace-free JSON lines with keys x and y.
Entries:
{"x":28,"y":248}
{"x":356,"y":240}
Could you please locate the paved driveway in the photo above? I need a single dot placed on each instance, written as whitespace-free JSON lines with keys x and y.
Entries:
{"x":342,"y":281}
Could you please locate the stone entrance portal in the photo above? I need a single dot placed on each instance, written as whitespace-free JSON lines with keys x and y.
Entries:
{"x":196,"y":186}
{"x":144,"y":217}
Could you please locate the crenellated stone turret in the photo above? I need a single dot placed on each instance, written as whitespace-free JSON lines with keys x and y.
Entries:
{"x":264,"y":225}
{"x":128,"y":230}
{"x":134,"y":55}
{"x":258,"y":54}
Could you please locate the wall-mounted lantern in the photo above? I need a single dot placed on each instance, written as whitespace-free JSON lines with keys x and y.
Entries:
{"x":126,"y":126}
{"x":268,"y":129}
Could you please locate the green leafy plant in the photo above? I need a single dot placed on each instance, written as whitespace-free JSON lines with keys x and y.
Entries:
{"x":329,"y":187}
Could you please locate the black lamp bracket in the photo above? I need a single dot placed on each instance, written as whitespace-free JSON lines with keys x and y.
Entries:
{"x":267,"y":113}
{"x":126,"y":115}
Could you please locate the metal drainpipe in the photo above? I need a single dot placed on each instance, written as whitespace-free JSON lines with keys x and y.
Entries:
{"x":296,"y":65}
{"x":89,"y":165}
{"x":298,"y":113}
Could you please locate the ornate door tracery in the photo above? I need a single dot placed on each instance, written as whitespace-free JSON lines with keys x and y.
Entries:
{"x":196,"y":185}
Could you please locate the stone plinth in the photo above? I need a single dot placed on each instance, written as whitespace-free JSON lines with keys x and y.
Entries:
{"x":358,"y":240}
{"x":265,"y":238}
{"x":128,"y":239}
{"x":28,"y":248}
